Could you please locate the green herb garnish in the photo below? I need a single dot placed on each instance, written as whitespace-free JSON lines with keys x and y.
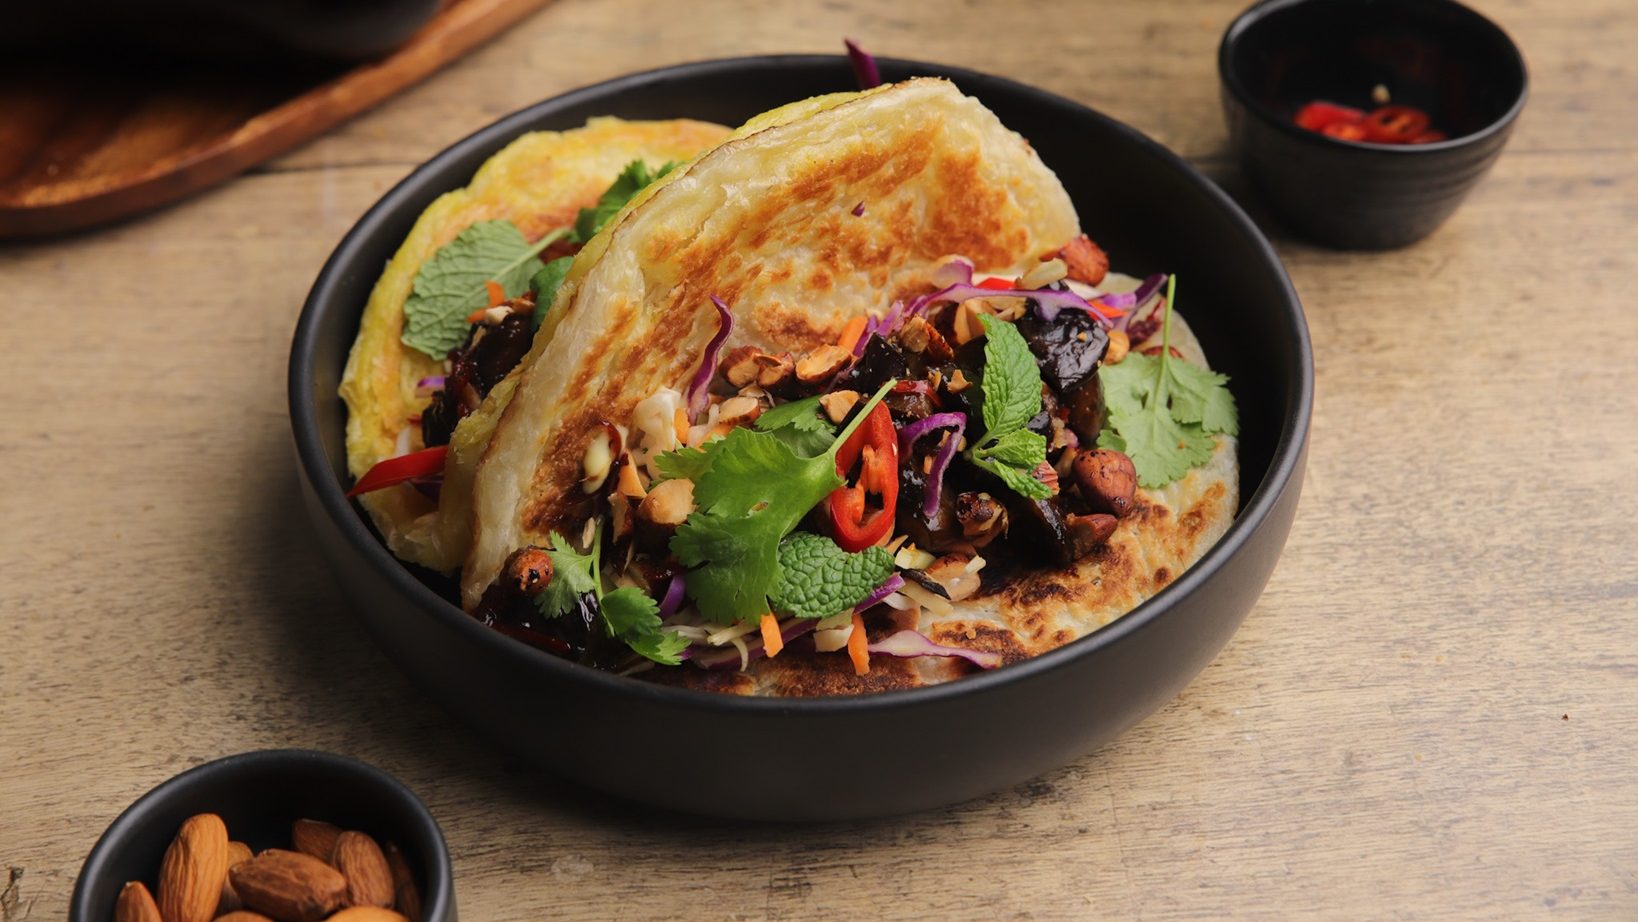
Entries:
{"x":1011,"y":388}
{"x":818,"y":579}
{"x":632,"y":180}
{"x":628,"y":613}
{"x":800,"y":424}
{"x":545,"y":284}
{"x":1163,"y":412}
{"x":751,"y":490}
{"x":451,"y":285}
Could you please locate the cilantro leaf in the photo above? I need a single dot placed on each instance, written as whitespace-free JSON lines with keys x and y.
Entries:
{"x":631,"y":181}
{"x":1163,"y":411}
{"x":450,"y":285}
{"x":545,"y":284}
{"x":634,"y":618}
{"x":800,"y":425}
{"x":818,"y":579}
{"x":1011,"y":388}
{"x":687,"y":463}
{"x":1011,"y":381}
{"x":752,"y":492}
{"x":573,"y":576}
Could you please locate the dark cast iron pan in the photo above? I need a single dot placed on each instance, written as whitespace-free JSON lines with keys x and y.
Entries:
{"x":870,"y":755}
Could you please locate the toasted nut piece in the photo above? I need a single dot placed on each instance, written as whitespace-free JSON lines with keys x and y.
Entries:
{"x":289,"y":886}
{"x":1044,"y":273}
{"x":367,"y":914}
{"x":318,"y":838}
{"x":1089,"y":531}
{"x":1048,"y":475}
{"x":1155,"y":350}
{"x":918,"y":335}
{"x":407,"y":897}
{"x":822,"y":364}
{"x":668,"y":504}
{"x":190,"y":877}
{"x":369,"y":880}
{"x":838,"y":404}
{"x":1119,"y":345}
{"x":242,"y":915}
{"x":747,"y":365}
{"x":982,"y":518}
{"x":1107,"y":479}
{"x":1087,"y":262}
{"x":136,"y":904}
{"x":237,"y":852}
{"x":739,"y":411}
{"x":958,"y":382}
{"x":955,"y":573}
{"x":530,"y":569}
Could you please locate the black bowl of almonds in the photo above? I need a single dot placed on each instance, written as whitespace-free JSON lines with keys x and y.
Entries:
{"x":283,"y":835}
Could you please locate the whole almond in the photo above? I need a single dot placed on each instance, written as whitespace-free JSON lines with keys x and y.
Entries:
{"x":289,"y":886}
{"x":406,"y":897}
{"x":237,"y":852}
{"x":359,"y":859}
{"x":316,"y":838}
{"x":190,"y":877}
{"x":136,"y":904}
{"x":367,"y":914}
{"x":242,"y":915}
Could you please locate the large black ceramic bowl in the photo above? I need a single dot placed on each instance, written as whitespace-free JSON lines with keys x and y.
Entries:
{"x":1436,"y":55}
{"x":787,"y":759}
{"x":258,"y":795}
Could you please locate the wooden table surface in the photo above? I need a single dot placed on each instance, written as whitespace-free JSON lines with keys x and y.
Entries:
{"x":1432,"y":712}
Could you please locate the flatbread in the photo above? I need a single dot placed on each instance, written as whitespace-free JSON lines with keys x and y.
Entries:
{"x":538,"y":182}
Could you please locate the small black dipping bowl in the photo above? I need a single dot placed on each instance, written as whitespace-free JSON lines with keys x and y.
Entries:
{"x":868,"y":755}
{"x":1436,"y":55}
{"x":258,"y":795}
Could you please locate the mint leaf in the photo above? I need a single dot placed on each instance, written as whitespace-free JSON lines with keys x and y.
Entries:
{"x":1011,"y":381}
{"x":1011,"y":387}
{"x":545,"y":284}
{"x":800,"y":425}
{"x":450,"y":285}
{"x":818,"y":579}
{"x":634,"y":618}
{"x":1162,"y":411}
{"x":751,"y":494}
{"x":573,"y":576}
{"x":631,"y":181}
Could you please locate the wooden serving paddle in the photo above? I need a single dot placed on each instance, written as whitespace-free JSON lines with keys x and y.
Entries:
{"x":91,"y":138}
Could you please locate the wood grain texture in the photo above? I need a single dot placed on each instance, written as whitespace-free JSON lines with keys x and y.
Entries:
{"x":1431,"y":714}
{"x":86,"y":143}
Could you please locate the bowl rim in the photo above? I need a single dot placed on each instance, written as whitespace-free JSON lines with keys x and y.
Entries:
{"x":439,"y":895}
{"x":1283,"y":465}
{"x":1250,"y":18}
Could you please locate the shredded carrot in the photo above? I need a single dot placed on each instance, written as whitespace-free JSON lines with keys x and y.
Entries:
{"x":850,"y":334}
{"x":856,"y":649}
{"x":680,"y":421}
{"x":1108,"y":312}
{"x":476,"y":315}
{"x":630,"y":485}
{"x":497,"y":294}
{"x":772,"y":642}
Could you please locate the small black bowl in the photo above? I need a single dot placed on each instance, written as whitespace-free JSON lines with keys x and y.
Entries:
{"x":258,"y":795}
{"x":1436,"y":55}
{"x":867,"y":755}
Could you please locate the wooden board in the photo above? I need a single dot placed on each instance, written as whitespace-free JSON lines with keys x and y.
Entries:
{"x":91,"y":139}
{"x":1385,"y":738}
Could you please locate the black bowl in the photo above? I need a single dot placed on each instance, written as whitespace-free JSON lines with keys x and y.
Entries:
{"x":787,"y":759}
{"x":1436,"y":55}
{"x":258,"y":795}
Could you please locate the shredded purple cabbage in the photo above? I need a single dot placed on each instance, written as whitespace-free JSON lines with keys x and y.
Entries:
{"x":893,"y":584}
{"x":673,"y":597}
{"x":935,"y":477}
{"x":957,"y":278}
{"x":699,"y":388}
{"x":430,"y":383}
{"x":858,"y":210}
{"x":1128,"y":324}
{"x":864,"y":66}
{"x":909,"y":644}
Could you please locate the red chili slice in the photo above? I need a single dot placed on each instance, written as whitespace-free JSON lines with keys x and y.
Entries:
{"x":393,"y":471}
{"x":1346,"y":131}
{"x":997,"y":284}
{"x":875,"y":447}
{"x":1395,"y":124}
{"x":1319,"y":114}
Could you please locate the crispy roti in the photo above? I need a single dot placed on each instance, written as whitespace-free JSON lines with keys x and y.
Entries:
{"x":766,"y":222}
{"x":538,"y":182}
